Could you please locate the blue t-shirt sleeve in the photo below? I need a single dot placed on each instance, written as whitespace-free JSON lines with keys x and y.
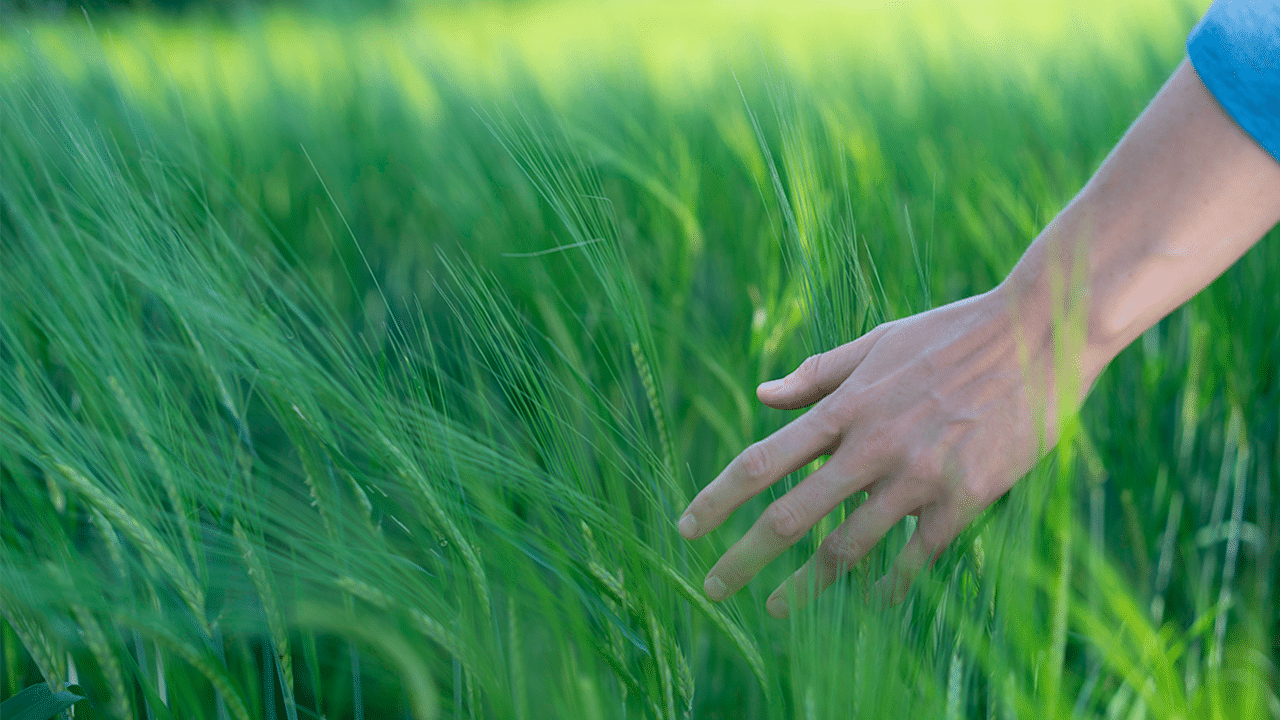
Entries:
{"x":1235,"y":48}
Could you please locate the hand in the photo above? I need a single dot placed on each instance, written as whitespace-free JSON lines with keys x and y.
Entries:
{"x":934,"y":416}
{"x":931,"y":415}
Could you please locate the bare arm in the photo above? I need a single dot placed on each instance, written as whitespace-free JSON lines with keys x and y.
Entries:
{"x":1181,"y":197}
{"x":938,"y":414}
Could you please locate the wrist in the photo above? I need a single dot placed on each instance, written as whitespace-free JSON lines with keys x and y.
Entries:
{"x":1180,"y":198}
{"x":1058,"y":304}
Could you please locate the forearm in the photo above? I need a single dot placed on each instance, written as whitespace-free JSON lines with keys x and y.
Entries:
{"x":1181,"y":197}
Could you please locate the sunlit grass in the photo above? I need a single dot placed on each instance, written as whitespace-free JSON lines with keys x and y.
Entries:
{"x":677,"y":49}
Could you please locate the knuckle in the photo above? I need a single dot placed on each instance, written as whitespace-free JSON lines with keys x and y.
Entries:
{"x":969,"y":486}
{"x":924,"y":464}
{"x":880,"y":447}
{"x":811,"y":368}
{"x":754,"y":461}
{"x":978,"y":491}
{"x":911,"y":498}
{"x":783,"y":520}
{"x":934,"y":538}
{"x":881,"y":443}
{"x":828,"y":422}
{"x":883,"y":504}
{"x":704,"y":507}
{"x":838,"y":555}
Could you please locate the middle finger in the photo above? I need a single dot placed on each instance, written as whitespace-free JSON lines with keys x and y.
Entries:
{"x":839,"y":551}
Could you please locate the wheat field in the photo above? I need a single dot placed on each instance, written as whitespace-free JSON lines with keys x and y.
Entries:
{"x":358,"y":365}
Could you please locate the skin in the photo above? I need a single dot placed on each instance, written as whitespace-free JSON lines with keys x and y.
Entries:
{"x":937,"y":415}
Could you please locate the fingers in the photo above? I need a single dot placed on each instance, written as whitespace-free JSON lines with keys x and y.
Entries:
{"x":938,"y":526}
{"x":819,"y":375}
{"x":797,"y":444}
{"x":780,"y":526}
{"x":838,"y":553}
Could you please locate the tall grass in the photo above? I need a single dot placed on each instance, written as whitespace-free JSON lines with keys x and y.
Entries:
{"x":364,"y":405}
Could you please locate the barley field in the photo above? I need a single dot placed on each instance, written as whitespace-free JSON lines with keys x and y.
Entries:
{"x":359,"y":365}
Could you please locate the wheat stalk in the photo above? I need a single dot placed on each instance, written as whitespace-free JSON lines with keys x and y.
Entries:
{"x":263,"y":583}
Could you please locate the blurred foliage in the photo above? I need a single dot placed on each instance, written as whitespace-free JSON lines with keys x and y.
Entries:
{"x":373,"y":297}
{"x":203,"y":10}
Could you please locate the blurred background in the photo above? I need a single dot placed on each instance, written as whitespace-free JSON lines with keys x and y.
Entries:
{"x":505,"y":274}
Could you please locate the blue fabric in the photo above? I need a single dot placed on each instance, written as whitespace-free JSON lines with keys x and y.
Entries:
{"x":1235,"y":48}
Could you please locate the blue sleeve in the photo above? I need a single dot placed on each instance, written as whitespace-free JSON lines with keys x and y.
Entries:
{"x":1235,"y":48}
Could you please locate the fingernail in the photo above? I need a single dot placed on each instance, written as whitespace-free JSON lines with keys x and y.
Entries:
{"x":884,"y":593}
{"x":778,"y":608}
{"x":771,"y":386}
{"x":876,"y":597}
{"x":688,"y":526}
{"x":715,"y":589}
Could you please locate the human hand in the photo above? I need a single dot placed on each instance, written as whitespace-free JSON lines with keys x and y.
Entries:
{"x":932,"y":415}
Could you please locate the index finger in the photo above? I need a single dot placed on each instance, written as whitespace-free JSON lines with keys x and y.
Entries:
{"x":795,"y":445}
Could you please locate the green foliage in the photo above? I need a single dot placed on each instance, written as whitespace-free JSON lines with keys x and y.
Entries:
{"x":338,"y":406}
{"x":39,"y":702}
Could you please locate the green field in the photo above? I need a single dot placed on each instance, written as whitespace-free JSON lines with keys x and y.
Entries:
{"x":360,"y":366}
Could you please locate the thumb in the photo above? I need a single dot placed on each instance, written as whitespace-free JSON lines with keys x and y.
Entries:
{"x":819,"y":375}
